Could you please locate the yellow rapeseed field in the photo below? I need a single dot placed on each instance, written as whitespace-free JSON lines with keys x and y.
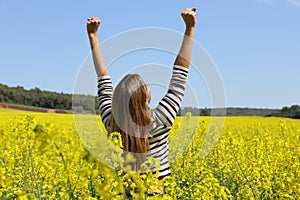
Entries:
{"x":42,"y":156}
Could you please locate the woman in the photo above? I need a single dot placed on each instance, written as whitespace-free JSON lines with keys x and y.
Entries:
{"x":125,"y":109}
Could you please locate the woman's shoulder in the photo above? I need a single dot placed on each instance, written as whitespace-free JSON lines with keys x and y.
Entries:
{"x":157,"y":119}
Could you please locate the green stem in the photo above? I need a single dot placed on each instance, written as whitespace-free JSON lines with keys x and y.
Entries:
{"x":245,"y":176}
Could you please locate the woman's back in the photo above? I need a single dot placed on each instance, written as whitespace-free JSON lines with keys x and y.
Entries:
{"x":163,"y":115}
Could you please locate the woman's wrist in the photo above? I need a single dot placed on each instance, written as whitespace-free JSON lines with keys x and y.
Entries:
{"x":189,"y":31}
{"x":190,"y":28}
{"x":93,"y":35}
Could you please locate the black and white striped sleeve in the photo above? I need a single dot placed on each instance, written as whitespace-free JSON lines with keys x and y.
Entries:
{"x":105,"y":93}
{"x":169,"y":105}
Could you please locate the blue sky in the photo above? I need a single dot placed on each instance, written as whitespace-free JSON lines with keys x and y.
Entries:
{"x":255,"y":44}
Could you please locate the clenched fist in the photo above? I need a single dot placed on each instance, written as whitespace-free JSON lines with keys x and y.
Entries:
{"x":189,"y":17}
{"x":92,"y":25}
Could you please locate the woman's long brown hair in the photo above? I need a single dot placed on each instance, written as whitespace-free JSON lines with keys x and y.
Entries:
{"x":131,"y":117}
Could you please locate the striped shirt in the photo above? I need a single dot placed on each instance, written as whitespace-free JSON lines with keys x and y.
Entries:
{"x":163,"y":115}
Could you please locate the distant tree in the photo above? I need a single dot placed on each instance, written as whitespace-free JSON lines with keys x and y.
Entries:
{"x":291,"y":112}
{"x":295,"y":111}
{"x":205,"y":112}
{"x":297,"y":115}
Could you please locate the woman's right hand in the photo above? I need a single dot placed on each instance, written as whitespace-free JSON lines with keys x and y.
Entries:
{"x":92,"y":25}
{"x":189,"y":17}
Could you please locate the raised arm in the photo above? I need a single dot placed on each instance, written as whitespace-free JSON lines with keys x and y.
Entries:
{"x":184,"y":55}
{"x":105,"y":88}
{"x":99,"y":62}
{"x":168,"y":107}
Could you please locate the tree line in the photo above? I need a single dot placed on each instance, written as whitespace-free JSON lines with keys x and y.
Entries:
{"x":88,"y":104}
{"x":289,"y":112}
{"x":35,"y":97}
